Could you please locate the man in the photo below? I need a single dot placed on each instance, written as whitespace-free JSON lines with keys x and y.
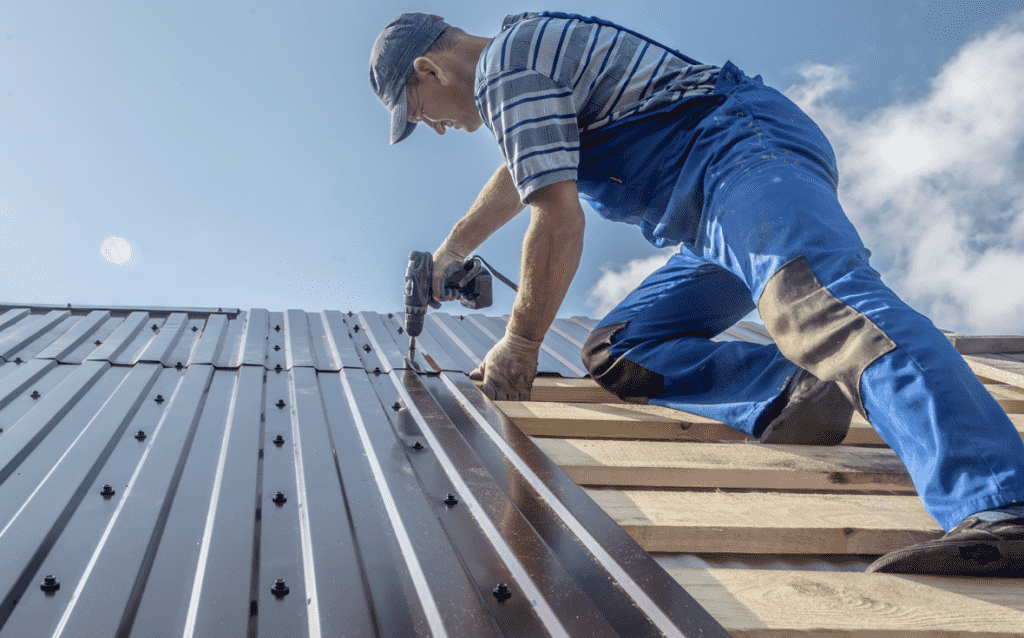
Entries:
{"x":744,"y":182}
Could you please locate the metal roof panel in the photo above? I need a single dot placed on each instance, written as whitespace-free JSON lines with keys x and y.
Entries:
{"x":407,"y":506}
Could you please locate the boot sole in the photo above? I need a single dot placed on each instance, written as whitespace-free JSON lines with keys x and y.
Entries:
{"x":956,"y":558}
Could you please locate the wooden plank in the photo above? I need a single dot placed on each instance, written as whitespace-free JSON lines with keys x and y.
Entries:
{"x":1010,"y":398}
{"x":781,"y":603}
{"x":726,"y":465}
{"x":996,"y":367}
{"x":631,"y":421}
{"x":623,"y":421}
{"x":766,"y":522}
{"x":557,"y":389}
{"x":988,"y":344}
{"x":561,"y":390}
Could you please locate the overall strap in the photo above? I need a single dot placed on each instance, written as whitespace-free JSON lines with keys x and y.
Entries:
{"x":608,"y":23}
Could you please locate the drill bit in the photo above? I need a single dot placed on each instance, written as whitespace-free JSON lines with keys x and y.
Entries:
{"x":412,"y":348}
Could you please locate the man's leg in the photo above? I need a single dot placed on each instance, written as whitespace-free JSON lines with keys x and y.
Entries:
{"x":776,"y":223}
{"x":656,"y":345}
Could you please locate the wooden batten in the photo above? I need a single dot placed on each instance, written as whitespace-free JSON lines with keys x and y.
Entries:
{"x":684,"y":484}
{"x":727,"y":466}
{"x":767,"y":522}
{"x":781,"y":603}
{"x":629,"y":421}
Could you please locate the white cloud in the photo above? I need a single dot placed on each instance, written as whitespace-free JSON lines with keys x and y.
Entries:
{"x":936,"y":186}
{"x":617,"y":282}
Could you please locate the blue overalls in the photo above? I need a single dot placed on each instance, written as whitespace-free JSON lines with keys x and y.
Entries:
{"x":746,"y":183}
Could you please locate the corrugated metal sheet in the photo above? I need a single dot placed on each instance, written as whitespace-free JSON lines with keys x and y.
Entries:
{"x":193,"y":472}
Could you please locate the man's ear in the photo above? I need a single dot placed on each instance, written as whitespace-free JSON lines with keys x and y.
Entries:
{"x":425,"y":66}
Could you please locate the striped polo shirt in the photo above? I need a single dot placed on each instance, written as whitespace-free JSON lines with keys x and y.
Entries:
{"x":542,"y":81}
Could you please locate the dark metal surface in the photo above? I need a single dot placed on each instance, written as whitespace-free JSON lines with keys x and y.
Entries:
{"x":243,"y":449}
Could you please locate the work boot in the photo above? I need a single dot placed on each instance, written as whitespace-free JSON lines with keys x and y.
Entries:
{"x":989,"y":543}
{"x":816,"y":413}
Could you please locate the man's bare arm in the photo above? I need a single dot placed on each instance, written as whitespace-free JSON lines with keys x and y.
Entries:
{"x":551,"y":255}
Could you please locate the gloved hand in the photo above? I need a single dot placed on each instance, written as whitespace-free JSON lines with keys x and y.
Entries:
{"x":509,"y":368}
{"x":449,"y":253}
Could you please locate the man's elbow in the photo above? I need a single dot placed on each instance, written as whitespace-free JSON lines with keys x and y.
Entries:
{"x":558,"y":207}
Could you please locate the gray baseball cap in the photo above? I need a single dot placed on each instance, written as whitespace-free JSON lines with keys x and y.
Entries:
{"x":406,"y":38}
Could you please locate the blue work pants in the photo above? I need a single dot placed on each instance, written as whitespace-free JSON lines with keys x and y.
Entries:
{"x":769,"y":224}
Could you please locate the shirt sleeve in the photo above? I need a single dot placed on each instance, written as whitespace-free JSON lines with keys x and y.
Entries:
{"x":534,"y":120}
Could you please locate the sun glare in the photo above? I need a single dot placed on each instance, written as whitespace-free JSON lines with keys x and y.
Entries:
{"x":116,"y":250}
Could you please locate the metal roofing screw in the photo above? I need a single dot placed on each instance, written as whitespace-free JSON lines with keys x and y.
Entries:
{"x":461,"y":317}
{"x":280,"y":403}
{"x":179,"y":366}
{"x":502,"y":593}
{"x":219,"y":310}
{"x":367,"y":348}
{"x":279,"y":589}
{"x":277,"y":328}
{"x":451,"y":501}
{"x":159,"y":398}
{"x":50,"y":584}
{"x":355,"y":327}
{"x":417,"y":446}
{"x":277,"y":368}
{"x":98,"y":342}
{"x":400,"y":331}
{"x":390,"y":315}
{"x":107,"y":492}
{"x":141,"y":435}
{"x":349,"y":313}
{"x":279,"y":498}
{"x":155,"y":328}
{"x":279,"y":440}
{"x":376,"y":372}
{"x":35,"y":394}
{"x":18,"y":360}
{"x":396,"y":406}
{"x":195,"y":329}
{"x":276,"y":348}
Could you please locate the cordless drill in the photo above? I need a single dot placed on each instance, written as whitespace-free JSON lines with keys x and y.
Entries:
{"x":470,"y":281}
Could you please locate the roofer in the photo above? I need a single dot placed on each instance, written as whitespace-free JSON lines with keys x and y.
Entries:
{"x":736,"y":175}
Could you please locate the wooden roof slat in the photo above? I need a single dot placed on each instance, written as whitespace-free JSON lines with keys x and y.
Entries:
{"x":628,"y":421}
{"x":986,"y":344}
{"x":997,"y":367}
{"x":767,"y":522}
{"x":556,"y":389}
{"x":725,"y":465}
{"x":772,"y":602}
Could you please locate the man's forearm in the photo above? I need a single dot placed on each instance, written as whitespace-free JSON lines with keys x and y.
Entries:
{"x":497,"y":203}
{"x":551,"y":255}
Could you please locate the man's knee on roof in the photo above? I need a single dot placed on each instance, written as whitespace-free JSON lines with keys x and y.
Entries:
{"x":628,"y":380}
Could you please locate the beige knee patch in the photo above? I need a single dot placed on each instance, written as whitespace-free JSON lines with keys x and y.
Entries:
{"x":818,"y":332}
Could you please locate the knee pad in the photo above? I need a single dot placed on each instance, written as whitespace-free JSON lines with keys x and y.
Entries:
{"x":819,"y":332}
{"x":628,"y":380}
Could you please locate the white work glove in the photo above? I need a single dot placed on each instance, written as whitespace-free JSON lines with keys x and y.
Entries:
{"x":509,"y":368}
{"x":449,"y":253}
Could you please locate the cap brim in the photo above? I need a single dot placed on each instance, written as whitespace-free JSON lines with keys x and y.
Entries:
{"x":401,"y":127}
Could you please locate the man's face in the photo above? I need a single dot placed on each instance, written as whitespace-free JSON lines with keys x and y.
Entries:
{"x":441,"y":105}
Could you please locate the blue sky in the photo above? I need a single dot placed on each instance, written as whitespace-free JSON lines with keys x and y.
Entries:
{"x":238,"y":149}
